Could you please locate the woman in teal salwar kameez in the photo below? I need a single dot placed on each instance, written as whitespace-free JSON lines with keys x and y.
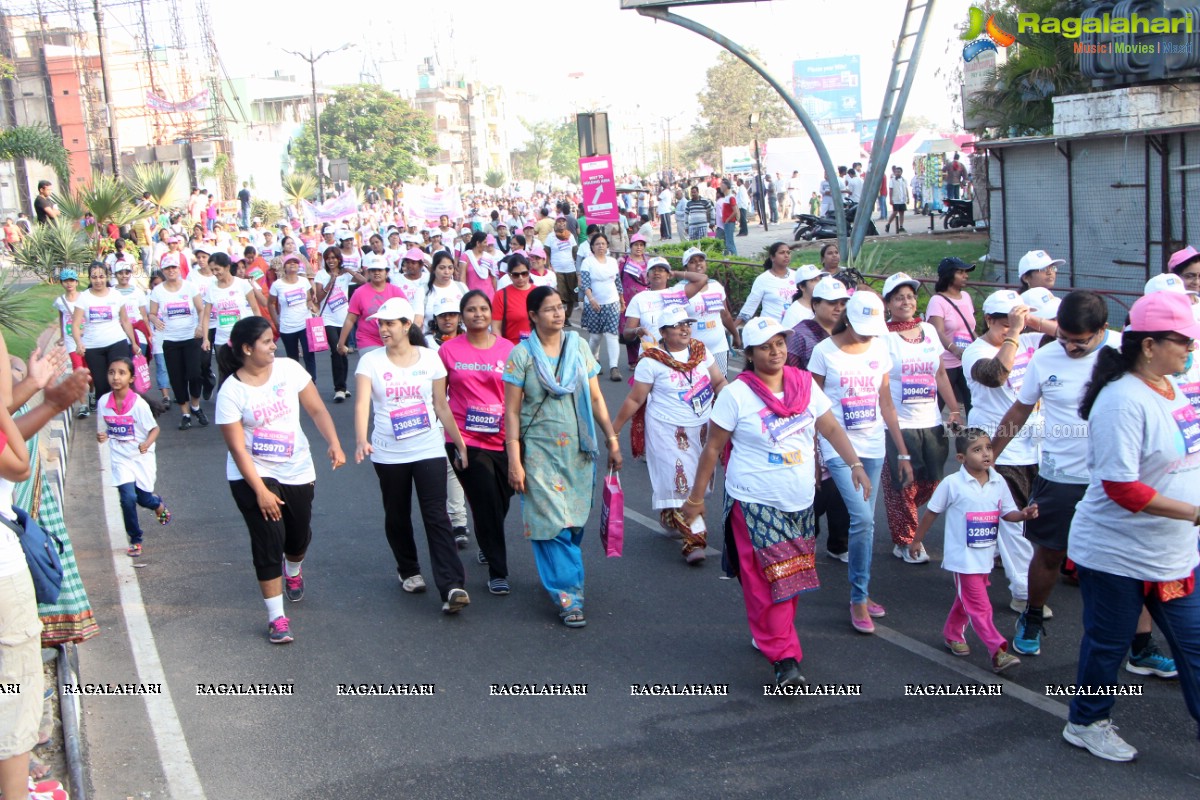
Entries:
{"x":553,"y":408}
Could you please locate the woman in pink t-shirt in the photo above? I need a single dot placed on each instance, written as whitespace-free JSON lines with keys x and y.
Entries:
{"x":952,"y":314}
{"x":475,"y":385}
{"x":365,"y":302}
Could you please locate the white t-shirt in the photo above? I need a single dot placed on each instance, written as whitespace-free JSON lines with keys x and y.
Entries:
{"x":762,"y":469}
{"x":405,"y":428}
{"x":604,"y":279}
{"x":336,"y":304}
{"x":559,"y":252}
{"x":293,"y":303}
{"x":135,"y":301}
{"x":126,"y":429}
{"x":177,"y":310}
{"x":675,"y":397}
{"x":988,"y":406}
{"x":229,"y":305}
{"x":1057,"y":381}
{"x":913,"y":378}
{"x":707,"y":305}
{"x":1137,"y":435}
{"x":972,"y":515}
{"x":67,"y":309}
{"x":797,"y":312}
{"x":645,"y":307}
{"x":414,"y":291}
{"x":101,"y":318}
{"x":853,"y":382}
{"x":455,"y":291}
{"x":270,"y":420}
{"x":770,"y":293}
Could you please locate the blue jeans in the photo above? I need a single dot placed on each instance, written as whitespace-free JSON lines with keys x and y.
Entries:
{"x":730,"y":229}
{"x":132,"y":497}
{"x":293,"y":343}
{"x":161,"y":379}
{"x":862,"y":521}
{"x":1111,"y":607}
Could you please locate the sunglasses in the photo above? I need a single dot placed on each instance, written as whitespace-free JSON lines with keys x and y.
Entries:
{"x":1181,"y":340}
{"x":519,"y":274}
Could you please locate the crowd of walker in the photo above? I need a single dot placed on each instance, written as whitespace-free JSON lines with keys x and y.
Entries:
{"x":472,"y":385}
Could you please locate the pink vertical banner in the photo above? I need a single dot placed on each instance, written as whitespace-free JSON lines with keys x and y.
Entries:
{"x":599,"y":189}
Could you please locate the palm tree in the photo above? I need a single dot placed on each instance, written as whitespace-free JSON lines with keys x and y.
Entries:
{"x":106,"y":199}
{"x":38,"y":143}
{"x":50,"y":247}
{"x":166,"y":186}
{"x":494,"y":179}
{"x":297,"y":187}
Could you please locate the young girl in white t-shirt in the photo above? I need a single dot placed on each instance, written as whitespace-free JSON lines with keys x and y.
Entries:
{"x":126,"y":422}
{"x":974,"y":500}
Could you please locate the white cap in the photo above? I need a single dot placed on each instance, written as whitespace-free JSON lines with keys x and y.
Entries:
{"x":864,"y":312}
{"x":760,"y":329}
{"x":1038,"y":259}
{"x":806,"y":272}
{"x":1165,"y":283}
{"x":1044,"y":304}
{"x":374,"y":261}
{"x":202,"y":247}
{"x":673,"y":315}
{"x":1001,"y":302}
{"x":444,"y":304}
{"x":829,"y":288}
{"x":898,"y":279}
{"x":409,"y":238}
{"x":692,"y":251}
{"x":658,"y":261}
{"x":394,"y":308}
{"x":328,"y":229}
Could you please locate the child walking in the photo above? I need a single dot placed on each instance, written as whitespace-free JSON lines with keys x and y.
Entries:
{"x":974,"y":499}
{"x":125,"y":420}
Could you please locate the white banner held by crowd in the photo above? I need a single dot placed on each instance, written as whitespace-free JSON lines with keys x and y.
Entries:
{"x":428,"y":203}
{"x":332,"y":210}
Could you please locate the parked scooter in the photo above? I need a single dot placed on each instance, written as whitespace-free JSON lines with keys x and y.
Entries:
{"x":959,"y":214}
{"x":826,"y":226}
{"x":805,"y":224}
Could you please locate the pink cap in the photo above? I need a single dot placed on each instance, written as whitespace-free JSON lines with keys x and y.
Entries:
{"x":414,"y":255}
{"x":1180,"y":256}
{"x":174,"y":239}
{"x":1164,"y":311}
{"x":293,"y":257}
{"x":537,"y":251}
{"x":529,"y":225}
{"x":490,"y":239}
{"x":637,"y":237}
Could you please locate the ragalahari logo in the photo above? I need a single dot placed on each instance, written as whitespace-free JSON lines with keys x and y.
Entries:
{"x":981,"y":37}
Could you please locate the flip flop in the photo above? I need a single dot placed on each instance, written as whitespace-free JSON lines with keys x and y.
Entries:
{"x":573,"y":618}
{"x":38,"y":769}
{"x":133,"y":551}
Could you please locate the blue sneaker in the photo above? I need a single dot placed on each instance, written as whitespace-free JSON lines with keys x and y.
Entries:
{"x":1151,"y":661}
{"x":1028,"y":639}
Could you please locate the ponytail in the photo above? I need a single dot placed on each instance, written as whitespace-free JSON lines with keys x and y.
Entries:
{"x":1114,"y":364}
{"x":245,"y":333}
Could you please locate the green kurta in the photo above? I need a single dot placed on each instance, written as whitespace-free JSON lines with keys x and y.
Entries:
{"x":559,"y":477}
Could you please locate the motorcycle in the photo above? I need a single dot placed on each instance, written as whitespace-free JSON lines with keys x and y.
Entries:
{"x":959,"y":214}
{"x":826,"y":227}
{"x":805,"y":224}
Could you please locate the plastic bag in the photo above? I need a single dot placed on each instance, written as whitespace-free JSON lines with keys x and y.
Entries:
{"x":317,"y":340}
{"x":141,"y":374}
{"x":612,"y":516}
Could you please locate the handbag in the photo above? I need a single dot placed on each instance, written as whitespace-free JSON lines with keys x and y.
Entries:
{"x":141,"y":374}
{"x":612,"y":516}
{"x":42,"y":551}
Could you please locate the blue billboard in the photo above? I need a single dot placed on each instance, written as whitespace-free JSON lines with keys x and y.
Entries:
{"x":829,"y":89}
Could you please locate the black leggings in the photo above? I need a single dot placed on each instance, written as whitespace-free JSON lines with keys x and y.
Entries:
{"x":958,"y":381}
{"x":183,"y":368}
{"x":339,"y":362}
{"x":269,"y":541}
{"x":485,"y":483}
{"x":98,"y":359}
{"x":396,"y":483}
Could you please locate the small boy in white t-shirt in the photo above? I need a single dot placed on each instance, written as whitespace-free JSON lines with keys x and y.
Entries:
{"x":974,"y":500}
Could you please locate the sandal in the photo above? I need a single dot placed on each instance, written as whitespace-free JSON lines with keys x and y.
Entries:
{"x":574,"y":618}
{"x":164,"y":516}
{"x":133,"y":551}
{"x":38,"y":769}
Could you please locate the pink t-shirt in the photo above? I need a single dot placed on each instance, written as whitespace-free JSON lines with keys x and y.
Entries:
{"x":365,"y":302}
{"x":475,"y":384}
{"x":944,"y":307}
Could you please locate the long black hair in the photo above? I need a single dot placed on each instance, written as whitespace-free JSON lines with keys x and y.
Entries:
{"x":438,"y":258}
{"x":771,"y":251}
{"x":1114,"y":364}
{"x":245,"y":333}
{"x":537,"y":296}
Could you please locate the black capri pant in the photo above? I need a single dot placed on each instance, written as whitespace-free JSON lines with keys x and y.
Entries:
{"x":183,"y":369}
{"x":98,"y":359}
{"x":269,"y":541}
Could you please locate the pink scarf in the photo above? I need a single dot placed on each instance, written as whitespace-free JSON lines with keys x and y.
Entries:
{"x":797,"y":388}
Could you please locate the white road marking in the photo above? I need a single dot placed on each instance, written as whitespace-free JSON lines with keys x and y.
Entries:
{"x":173,"y":751}
{"x":653,"y":526}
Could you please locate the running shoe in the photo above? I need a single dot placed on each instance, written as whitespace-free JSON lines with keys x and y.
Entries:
{"x":787,"y":673}
{"x":278,"y":631}
{"x":901,"y":551}
{"x":339,"y":396}
{"x":460,"y":537}
{"x":456,"y":601}
{"x":1028,"y":638}
{"x":413,"y":585}
{"x":499,"y":586}
{"x":1003,"y":660}
{"x":958,"y":648}
{"x":480,"y":557}
{"x":1151,"y":661}
{"x":201,"y":417}
{"x":83,"y":413}
{"x":842,"y":557}
{"x":696,"y":557}
{"x":185,"y":423}
{"x":293,"y":587}
{"x":1100,"y":739}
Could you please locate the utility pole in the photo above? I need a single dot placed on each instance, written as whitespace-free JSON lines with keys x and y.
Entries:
{"x":312,"y":65}
{"x":760,"y":201}
{"x":109,"y":111}
{"x":470,"y":138}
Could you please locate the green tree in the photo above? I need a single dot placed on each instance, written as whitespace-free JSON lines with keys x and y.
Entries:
{"x":494,"y":179}
{"x":564,"y":149}
{"x":38,"y":143}
{"x":383,"y":137}
{"x":528,"y":160}
{"x":733,"y":91}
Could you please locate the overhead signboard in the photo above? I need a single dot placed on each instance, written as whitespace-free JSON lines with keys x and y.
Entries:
{"x":828,"y":88}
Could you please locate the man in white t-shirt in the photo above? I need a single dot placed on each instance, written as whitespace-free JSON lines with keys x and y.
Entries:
{"x":666,"y":210}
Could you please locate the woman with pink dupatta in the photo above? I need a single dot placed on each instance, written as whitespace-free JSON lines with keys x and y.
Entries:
{"x":769,"y":416}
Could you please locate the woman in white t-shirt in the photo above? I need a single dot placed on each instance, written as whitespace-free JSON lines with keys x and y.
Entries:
{"x":226,"y":301}
{"x":406,"y":385}
{"x":709,"y":307}
{"x":101,"y":327}
{"x":175,"y":312}
{"x":333,"y":286}
{"x":807,"y":277}
{"x":677,"y":381}
{"x":64,"y":304}
{"x":442,"y":282}
{"x":599,"y":283}
{"x":770,"y":415}
{"x":917,"y":379}
{"x":292,"y":303}
{"x":773,"y":290}
{"x":270,"y":468}
{"x":852,"y":367}
{"x":1133,"y":537}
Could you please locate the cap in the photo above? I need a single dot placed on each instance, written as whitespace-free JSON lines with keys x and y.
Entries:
{"x":344,"y":235}
{"x":1168,"y":282}
{"x":951,"y":264}
{"x":444,"y":304}
{"x":864,"y":312}
{"x":1001,"y":302}
{"x":243,"y":234}
{"x":174,"y":239}
{"x":293,"y":257}
{"x":374,"y":261}
{"x":489,"y":240}
{"x":692,"y":252}
{"x":501,"y":224}
{"x":394,"y":308}
{"x":408,"y":238}
{"x":829,"y":288}
{"x":806,"y":272}
{"x":68,"y":275}
{"x":201,"y":247}
{"x":658,"y":261}
{"x":1181,"y":257}
{"x":256,"y":219}
{"x":529,"y":225}
{"x":1037,"y":259}
{"x":1045,"y":305}
{"x":637,"y":237}
{"x":760,"y":329}
{"x":122,"y":266}
{"x":465,"y":231}
{"x":673,"y":315}
{"x":1164,"y":311}
{"x":414,"y":254}
{"x":328,"y":229}
{"x":898,"y":279}
{"x":537,"y":251}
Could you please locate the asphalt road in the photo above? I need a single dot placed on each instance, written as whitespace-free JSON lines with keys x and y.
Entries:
{"x":651,"y":619}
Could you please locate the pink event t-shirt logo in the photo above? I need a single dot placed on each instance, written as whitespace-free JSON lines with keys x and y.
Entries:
{"x":873,"y":365}
{"x":387,"y":376}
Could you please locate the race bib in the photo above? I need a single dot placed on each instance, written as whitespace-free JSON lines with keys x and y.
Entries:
{"x":636,"y":270}
{"x":336,"y":301}
{"x":295,"y":297}
{"x":962,"y":339}
{"x":859,"y":411}
{"x":1016,"y":376}
{"x":272,"y":445}
{"x":484,"y":419}
{"x":120,"y":427}
{"x":982,"y":528}
{"x":713,"y":303}
{"x":1189,"y":426}
{"x":100,"y":314}
{"x":779,"y":428}
{"x":408,"y":421}
{"x":227,"y":319}
{"x":677,"y":298}
{"x":177,"y":310}
{"x":918,"y":388}
{"x":1192,"y":392}
{"x":699,"y":396}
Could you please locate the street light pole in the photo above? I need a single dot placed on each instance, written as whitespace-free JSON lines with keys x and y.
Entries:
{"x":312,"y":65}
{"x":759,"y":200}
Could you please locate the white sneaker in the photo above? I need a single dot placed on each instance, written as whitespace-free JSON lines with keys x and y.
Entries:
{"x":842,"y":557}
{"x":455,"y":601}
{"x":1100,"y":739}
{"x":1019,"y":607}
{"x":413,"y":585}
{"x":339,"y":396}
{"x":901,"y":551}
